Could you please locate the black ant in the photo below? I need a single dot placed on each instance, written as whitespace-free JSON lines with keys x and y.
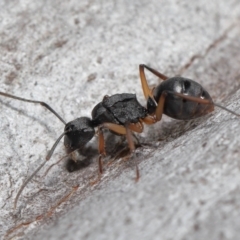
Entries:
{"x":122,"y":114}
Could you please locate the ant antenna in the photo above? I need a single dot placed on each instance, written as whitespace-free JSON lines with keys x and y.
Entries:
{"x":26,"y":182}
{"x":33,"y":101}
{"x":49,"y":155}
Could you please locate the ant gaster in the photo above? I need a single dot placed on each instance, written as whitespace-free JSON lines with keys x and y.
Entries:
{"x":122,"y":114}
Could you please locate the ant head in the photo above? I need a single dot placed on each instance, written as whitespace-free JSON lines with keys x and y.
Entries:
{"x":78,"y":133}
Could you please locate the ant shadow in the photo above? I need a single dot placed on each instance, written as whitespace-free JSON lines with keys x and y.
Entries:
{"x":87,"y":154}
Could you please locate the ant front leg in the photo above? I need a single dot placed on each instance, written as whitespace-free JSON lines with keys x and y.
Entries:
{"x":101,"y":143}
{"x":127,"y":130}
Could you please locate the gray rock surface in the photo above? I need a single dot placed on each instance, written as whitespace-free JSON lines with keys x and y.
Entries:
{"x":72,"y":53}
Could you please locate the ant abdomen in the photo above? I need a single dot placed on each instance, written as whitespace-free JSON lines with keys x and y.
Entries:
{"x":179,"y":107}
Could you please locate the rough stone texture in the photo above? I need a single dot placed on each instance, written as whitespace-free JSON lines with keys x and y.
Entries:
{"x":72,"y":53}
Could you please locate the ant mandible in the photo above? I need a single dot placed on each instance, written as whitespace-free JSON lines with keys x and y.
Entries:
{"x":122,"y":114}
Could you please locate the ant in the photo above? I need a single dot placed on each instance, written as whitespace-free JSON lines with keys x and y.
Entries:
{"x":177,"y":97}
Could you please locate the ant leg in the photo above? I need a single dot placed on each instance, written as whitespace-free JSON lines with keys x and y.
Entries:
{"x":132,"y":149}
{"x":101,"y":149}
{"x":204,"y":101}
{"x":119,"y":129}
{"x":161,"y":102}
{"x":155,"y":72}
{"x":160,"y":106}
{"x":146,"y":90}
{"x":33,"y":101}
{"x":136,"y":139}
{"x":136,"y":127}
{"x":149,"y":120}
